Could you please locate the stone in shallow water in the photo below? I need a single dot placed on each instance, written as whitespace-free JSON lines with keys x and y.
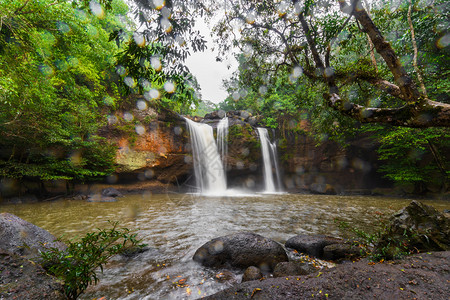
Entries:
{"x":311,"y":244}
{"x":241,"y":250}
{"x":252,"y":273}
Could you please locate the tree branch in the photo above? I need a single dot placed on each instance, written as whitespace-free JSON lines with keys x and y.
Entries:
{"x":413,"y":39}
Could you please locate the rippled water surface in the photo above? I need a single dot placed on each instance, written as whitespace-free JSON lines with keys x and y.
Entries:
{"x":174,"y":226}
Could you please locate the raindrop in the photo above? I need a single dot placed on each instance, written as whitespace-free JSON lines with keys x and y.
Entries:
{"x":140,"y":129}
{"x":248,"y":50}
{"x":297,"y":72}
{"x":243,"y":93}
{"x":139,"y":39}
{"x":188,"y":159}
{"x":141,"y":177}
{"x":158,"y":4}
{"x":299,"y":7}
{"x":141,"y":105}
{"x":120,"y":70}
{"x":166,"y":25}
{"x":92,"y":31}
{"x":46,"y":70}
{"x":108,"y":101}
{"x":239,"y":165}
{"x":282,"y":8}
{"x":61,"y":65}
{"x":245,"y":152}
{"x":96,"y":9}
{"x":178,"y":130}
{"x":262,"y":90}
{"x":63,"y":27}
{"x":75,"y":158}
{"x":166,"y":13}
{"x":250,"y":17}
{"x":128,"y":117}
{"x":112,"y":120}
{"x":111,"y":179}
{"x":328,"y":72}
{"x":152,"y":94}
{"x":155,"y":62}
{"x":236,"y":96}
{"x":443,"y":41}
{"x":169,"y":87}
{"x":129,"y":81}
{"x":249,"y":183}
{"x":145,"y":83}
{"x":149,"y":173}
{"x":180,"y":40}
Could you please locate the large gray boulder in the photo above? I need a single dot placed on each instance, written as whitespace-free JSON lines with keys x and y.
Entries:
{"x":23,"y":238}
{"x":241,"y":250}
{"x":415,"y":227}
{"x":311,"y":244}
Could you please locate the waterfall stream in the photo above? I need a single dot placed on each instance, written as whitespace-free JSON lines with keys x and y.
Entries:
{"x":208,"y":168}
{"x":269,"y":153}
{"x":222,"y":140}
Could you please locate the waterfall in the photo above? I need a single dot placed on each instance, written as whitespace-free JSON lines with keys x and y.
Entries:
{"x":208,"y":168}
{"x":222,"y":140}
{"x":269,"y":153}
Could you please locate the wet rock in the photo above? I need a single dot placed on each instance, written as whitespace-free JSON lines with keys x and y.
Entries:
{"x":226,"y":276}
{"x":241,"y":250}
{"x":293,"y":268}
{"x":311,"y":244}
{"x":22,"y":279}
{"x":340,"y":251}
{"x":322,"y":188}
{"x":111,"y":192}
{"x":20,"y":237}
{"x":100,"y":198}
{"x":419,"y":226}
{"x":252,"y":273}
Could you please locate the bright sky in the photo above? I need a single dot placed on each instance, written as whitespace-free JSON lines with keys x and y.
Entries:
{"x":207,"y":70}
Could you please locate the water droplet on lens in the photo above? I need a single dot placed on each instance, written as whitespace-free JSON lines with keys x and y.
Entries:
{"x":139,"y":39}
{"x":129,"y":81}
{"x":112,"y":120}
{"x":169,"y":87}
{"x":128,"y":117}
{"x":96,"y":9}
{"x":141,"y":105}
{"x":140,"y":129}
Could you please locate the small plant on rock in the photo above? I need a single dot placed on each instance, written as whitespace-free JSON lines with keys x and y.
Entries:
{"x":78,"y":265}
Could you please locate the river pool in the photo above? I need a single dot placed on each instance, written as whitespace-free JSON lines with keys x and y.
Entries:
{"x":176,"y":225}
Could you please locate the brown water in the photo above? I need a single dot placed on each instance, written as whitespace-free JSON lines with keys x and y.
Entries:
{"x":174,"y":226}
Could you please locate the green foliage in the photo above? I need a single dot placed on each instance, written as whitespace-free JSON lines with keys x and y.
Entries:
{"x":56,"y":65}
{"x":78,"y":265}
{"x":369,"y":241}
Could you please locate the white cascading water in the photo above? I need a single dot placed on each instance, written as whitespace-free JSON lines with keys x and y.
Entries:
{"x":222,"y":140}
{"x":269,"y":154}
{"x":208,"y":168}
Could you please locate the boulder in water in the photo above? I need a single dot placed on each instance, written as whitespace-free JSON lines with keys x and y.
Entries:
{"x":111,"y":192}
{"x":241,"y":250}
{"x":311,"y":244}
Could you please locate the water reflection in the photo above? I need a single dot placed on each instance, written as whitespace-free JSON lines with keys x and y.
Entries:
{"x":175,"y":225}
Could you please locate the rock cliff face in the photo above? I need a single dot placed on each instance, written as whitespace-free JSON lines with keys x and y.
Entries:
{"x":329,"y":168}
{"x":153,"y":144}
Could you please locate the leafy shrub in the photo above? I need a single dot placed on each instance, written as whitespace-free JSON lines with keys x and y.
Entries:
{"x":78,"y":265}
{"x":369,"y":242}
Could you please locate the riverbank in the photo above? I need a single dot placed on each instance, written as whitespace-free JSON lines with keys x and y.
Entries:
{"x":420,"y":276}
